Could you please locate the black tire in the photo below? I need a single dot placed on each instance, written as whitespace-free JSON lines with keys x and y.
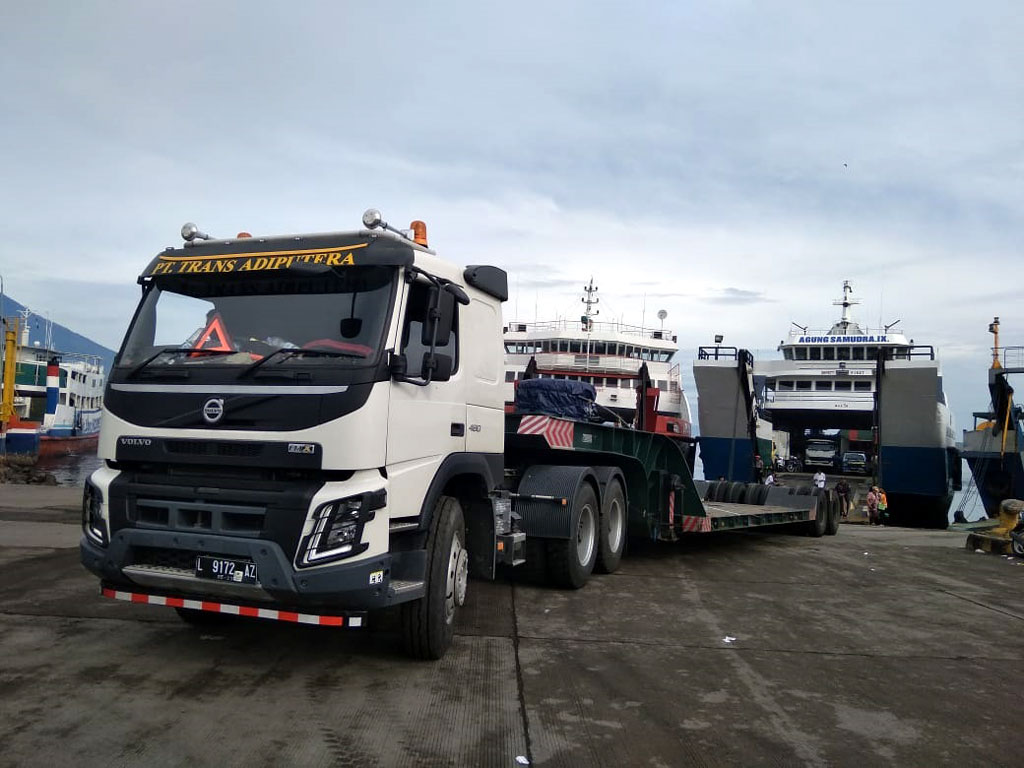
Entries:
{"x":612,"y":542}
{"x":834,"y":513}
{"x":1017,"y":546}
{"x":762,"y":495}
{"x":205,"y":618}
{"x":428,"y":624}
{"x":816,"y":527}
{"x":571,"y":561}
{"x":735,"y":492}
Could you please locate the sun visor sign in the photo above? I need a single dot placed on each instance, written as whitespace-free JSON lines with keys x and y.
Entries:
{"x":174,"y":264}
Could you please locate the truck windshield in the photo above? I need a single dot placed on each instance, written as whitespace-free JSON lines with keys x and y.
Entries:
{"x":332,"y":319}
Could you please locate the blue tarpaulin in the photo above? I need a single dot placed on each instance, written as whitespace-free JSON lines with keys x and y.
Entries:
{"x":556,"y":397}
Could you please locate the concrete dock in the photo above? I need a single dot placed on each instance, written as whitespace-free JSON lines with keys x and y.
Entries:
{"x":874,"y":647}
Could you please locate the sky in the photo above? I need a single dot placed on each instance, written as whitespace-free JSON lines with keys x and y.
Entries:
{"x":729,"y":162}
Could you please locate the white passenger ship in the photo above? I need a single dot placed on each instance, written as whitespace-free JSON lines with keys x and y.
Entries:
{"x":607,"y":355}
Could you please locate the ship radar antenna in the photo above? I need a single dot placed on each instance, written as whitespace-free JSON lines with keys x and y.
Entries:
{"x":846,"y":302}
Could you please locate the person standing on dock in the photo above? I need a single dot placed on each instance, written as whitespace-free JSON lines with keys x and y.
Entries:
{"x":843,"y":490}
{"x":872,"y":502}
{"x":819,"y":479}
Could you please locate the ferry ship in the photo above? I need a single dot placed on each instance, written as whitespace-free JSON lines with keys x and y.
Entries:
{"x":56,"y":400}
{"x":608,"y":355}
{"x":994,"y":448}
{"x":879,"y":392}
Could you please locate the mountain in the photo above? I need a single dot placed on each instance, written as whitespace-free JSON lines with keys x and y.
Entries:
{"x":64,"y":339}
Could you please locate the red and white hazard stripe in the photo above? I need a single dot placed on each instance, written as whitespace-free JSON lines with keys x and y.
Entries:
{"x":695,"y":524}
{"x":557,"y":432}
{"x":236,"y":610}
{"x":671,"y":507}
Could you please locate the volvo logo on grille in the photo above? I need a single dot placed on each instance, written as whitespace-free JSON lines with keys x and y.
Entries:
{"x":142,"y":441}
{"x":213,"y":410}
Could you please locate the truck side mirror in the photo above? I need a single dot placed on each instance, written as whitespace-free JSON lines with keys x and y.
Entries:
{"x":436,"y":367}
{"x":437,"y":328}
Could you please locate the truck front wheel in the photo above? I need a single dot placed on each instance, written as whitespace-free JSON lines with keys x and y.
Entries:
{"x":428,"y":624}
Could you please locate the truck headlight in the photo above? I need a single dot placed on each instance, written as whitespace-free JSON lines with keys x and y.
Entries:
{"x":337,"y":529}
{"x":93,"y":524}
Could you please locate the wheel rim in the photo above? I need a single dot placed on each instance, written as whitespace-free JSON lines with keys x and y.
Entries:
{"x":585,"y":535}
{"x":458,"y":576}
{"x":615,"y":525}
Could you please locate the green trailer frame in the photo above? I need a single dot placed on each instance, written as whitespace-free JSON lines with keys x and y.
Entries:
{"x":664,"y":502}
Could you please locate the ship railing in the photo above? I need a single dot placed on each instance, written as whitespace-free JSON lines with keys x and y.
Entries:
{"x":595,"y":327}
{"x":571,"y":361}
{"x":717,"y":353}
{"x":812,"y":396}
{"x":1013,"y":357}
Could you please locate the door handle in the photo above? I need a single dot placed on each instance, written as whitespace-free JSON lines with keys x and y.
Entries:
{"x":458,"y":429}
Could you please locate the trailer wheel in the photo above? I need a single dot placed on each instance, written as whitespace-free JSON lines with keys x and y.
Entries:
{"x":428,"y":624}
{"x":571,"y":561}
{"x":834,"y":513}
{"x":613,"y":529}
{"x":816,"y":527}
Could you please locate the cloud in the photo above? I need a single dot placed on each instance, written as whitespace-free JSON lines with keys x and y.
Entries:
{"x":738,"y":296}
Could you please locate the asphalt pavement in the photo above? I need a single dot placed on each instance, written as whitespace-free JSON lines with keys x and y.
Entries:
{"x":874,"y":647}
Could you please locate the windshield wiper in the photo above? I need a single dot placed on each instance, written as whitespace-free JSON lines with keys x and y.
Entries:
{"x":176,"y":351}
{"x":292,"y":352}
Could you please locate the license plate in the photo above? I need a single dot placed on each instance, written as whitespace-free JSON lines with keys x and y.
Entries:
{"x":224,"y":569}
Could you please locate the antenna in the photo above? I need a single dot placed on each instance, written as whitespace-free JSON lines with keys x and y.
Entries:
{"x":890,"y":325}
{"x":803,"y":328}
{"x":846,"y":302}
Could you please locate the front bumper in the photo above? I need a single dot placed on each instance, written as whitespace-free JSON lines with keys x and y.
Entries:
{"x":128,"y":563}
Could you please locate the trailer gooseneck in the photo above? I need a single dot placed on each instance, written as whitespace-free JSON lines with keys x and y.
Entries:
{"x":306,"y":428}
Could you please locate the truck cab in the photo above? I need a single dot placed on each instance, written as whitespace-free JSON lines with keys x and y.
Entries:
{"x":303,"y":426}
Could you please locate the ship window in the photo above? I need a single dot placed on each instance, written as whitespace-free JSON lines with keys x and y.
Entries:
{"x":786,"y":386}
{"x":575,"y":347}
{"x":510,"y":375}
{"x":510,"y":348}
{"x":823,"y":385}
{"x":858,"y":353}
{"x":902,"y":353}
{"x":803,"y":385}
{"x":801,"y":353}
{"x":844,"y":386}
{"x":662,"y":385}
{"x":626,"y":383}
{"x":828,"y":353}
{"x":63,"y":398}
{"x":862,"y":386}
{"x":815,"y":353}
{"x":598,"y":348}
{"x":842,"y":353}
{"x":787,"y":354}
{"x":872,"y":353}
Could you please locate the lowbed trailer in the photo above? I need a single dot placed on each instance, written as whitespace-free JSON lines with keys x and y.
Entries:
{"x":325,"y":435}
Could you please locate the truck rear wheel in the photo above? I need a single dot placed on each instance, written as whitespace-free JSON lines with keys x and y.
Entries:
{"x":613,"y":529}
{"x":428,"y":624}
{"x":571,"y":561}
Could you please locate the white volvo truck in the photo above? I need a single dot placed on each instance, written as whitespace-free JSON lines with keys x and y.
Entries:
{"x":306,"y":428}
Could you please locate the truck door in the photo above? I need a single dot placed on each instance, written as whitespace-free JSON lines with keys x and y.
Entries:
{"x":425,"y":423}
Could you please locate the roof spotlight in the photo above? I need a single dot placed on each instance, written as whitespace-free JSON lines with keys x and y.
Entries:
{"x":190,"y":232}
{"x":372,"y":219}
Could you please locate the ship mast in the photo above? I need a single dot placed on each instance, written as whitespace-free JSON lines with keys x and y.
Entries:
{"x":590,"y":300}
{"x":846,"y":302}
